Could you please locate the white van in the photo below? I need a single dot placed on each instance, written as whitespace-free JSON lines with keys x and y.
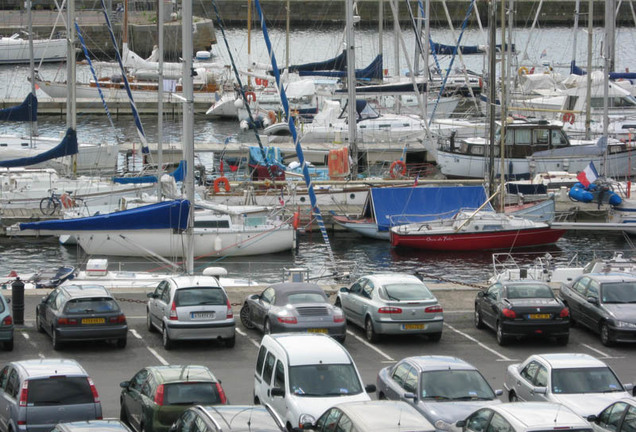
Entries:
{"x":303,"y":375}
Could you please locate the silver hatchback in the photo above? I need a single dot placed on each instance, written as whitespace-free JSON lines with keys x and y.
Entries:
{"x":191,"y":308}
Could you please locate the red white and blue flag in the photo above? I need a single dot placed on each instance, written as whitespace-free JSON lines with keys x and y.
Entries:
{"x":588,"y":175}
{"x":281,"y":198}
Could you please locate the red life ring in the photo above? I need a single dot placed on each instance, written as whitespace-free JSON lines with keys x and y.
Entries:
{"x":402,"y":170}
{"x":296,"y":220}
{"x":265,"y":82}
{"x":250,"y":96}
{"x":67,"y":201}
{"x":217,"y":184}
{"x":568,"y":117}
{"x":258,"y":81}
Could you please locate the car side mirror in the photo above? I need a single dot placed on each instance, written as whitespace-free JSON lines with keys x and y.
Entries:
{"x":151,"y":295}
{"x":124,"y":384}
{"x":480,"y":294}
{"x":498,"y":392}
{"x":540,"y":390}
{"x":592,"y":300}
{"x":254,"y":297}
{"x":344,"y":290}
{"x":370,"y":388}
{"x":44,"y":299}
{"x":410,"y":395}
{"x":277,"y":391}
{"x":592,"y":418}
{"x":460,"y":423}
{"x":628,"y":386}
{"x":8,"y":300}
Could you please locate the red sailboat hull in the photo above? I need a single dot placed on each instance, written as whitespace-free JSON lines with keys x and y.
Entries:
{"x":485,"y":240}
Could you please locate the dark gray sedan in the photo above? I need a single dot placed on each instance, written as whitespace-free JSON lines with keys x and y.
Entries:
{"x":605,"y":303}
{"x":293,"y":307}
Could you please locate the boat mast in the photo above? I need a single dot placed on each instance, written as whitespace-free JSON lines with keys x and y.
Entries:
{"x":71,"y":107}
{"x":590,"y":39}
{"x":492,"y":91}
{"x":160,"y":15}
{"x":351,"y":89}
{"x":34,"y":122}
{"x":608,"y":61}
{"x":188,"y":125}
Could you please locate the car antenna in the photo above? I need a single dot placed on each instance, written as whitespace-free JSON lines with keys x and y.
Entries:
{"x":556,"y":415}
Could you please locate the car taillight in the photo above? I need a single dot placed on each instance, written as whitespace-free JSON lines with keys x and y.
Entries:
{"x":287,"y":320}
{"x":434,"y":309}
{"x":159,"y":395}
{"x":93,"y":390}
{"x":221,"y":393}
{"x":67,"y":321}
{"x":389,"y":310}
{"x":565,"y":312}
{"x":230,"y":312}
{"x":119,"y":319}
{"x":7,"y":320}
{"x":23,"y":393}
{"x":338,"y":317}
{"x":509,"y":313}
{"x":173,"y":312}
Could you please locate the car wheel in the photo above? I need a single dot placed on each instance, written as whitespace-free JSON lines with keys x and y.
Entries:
{"x":257,"y":401}
{"x":502,"y":339}
{"x":381,"y":396}
{"x":512,"y":397}
{"x":230,"y":342}
{"x":341,"y":339}
{"x":149,"y":326}
{"x":338,"y":303}
{"x":55,"y":340}
{"x":165,"y":339}
{"x":142,"y":428}
{"x":267,"y":327}
{"x":121,"y":342}
{"x":123,"y":417}
{"x":605,"y":335}
{"x":245,"y":317}
{"x":369,"y":331}
{"x":435,"y":337}
{"x":478,"y":322}
{"x":8,"y":345}
{"x":38,"y":323}
{"x":563,"y":340}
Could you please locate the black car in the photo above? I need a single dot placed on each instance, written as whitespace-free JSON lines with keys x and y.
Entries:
{"x":80,"y":313}
{"x":604,"y":302}
{"x":229,"y":418}
{"x":522,"y":308}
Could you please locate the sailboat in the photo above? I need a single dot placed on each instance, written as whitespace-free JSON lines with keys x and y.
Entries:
{"x":15,"y":49}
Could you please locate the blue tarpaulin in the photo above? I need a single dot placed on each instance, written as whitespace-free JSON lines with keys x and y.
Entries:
{"x":178,"y":174}
{"x":67,"y":147}
{"x":27,"y":111}
{"x":399,"y":205}
{"x":163,"y":215}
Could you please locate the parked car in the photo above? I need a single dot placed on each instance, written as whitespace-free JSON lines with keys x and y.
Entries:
{"x":301,"y":375}
{"x":156,"y":396}
{"x":440,"y":387}
{"x":618,"y":417}
{"x":81,"y":313}
{"x":579,"y":381}
{"x":382,"y":415}
{"x":229,"y":418}
{"x":293,"y":307}
{"x":522,"y":308}
{"x":37,"y":394}
{"x":191,"y":308}
{"x":525,"y":417}
{"x":6,"y":324}
{"x":109,"y":425}
{"x":605,"y":303}
{"x":392,"y":303}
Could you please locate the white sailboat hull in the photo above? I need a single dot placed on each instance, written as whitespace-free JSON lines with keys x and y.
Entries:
{"x":16,"y":50}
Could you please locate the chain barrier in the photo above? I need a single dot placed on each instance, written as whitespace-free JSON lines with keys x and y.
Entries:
{"x":442,"y":279}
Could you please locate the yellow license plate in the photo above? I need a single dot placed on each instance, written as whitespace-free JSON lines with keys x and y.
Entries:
{"x":93,"y":320}
{"x":413,"y":326}
{"x":317,"y":330}
{"x":539,"y":316}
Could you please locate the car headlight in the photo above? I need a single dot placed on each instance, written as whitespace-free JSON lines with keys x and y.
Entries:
{"x":625,"y":324}
{"x":304,"y":419}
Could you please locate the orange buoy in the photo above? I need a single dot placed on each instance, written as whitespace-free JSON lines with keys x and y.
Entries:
{"x":217,"y":184}
{"x":400,"y":171}
{"x":296,"y":220}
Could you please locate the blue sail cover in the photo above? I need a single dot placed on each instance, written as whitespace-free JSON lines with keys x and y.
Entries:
{"x":373,"y":71}
{"x":178,"y":174}
{"x":27,"y":111}
{"x":163,"y":215}
{"x":401,"y":205}
{"x":336,"y":63}
{"x":67,"y":147}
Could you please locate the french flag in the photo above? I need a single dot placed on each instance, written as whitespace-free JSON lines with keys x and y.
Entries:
{"x":588,"y":175}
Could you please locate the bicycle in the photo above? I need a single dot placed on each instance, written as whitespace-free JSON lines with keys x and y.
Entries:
{"x":54,"y":203}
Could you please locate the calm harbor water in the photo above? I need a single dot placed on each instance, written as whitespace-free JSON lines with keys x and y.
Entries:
{"x":551,"y":46}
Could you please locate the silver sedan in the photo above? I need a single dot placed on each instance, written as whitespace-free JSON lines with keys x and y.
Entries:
{"x":392,"y":303}
{"x":293,"y":307}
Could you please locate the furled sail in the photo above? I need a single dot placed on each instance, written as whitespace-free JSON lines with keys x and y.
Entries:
{"x":67,"y":147}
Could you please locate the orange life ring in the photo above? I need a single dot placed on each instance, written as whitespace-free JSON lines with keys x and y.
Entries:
{"x":402,"y":169}
{"x":250,"y":96}
{"x":67,"y":201}
{"x":568,"y":117}
{"x":296,"y":220}
{"x":272,"y":116}
{"x":217,"y":184}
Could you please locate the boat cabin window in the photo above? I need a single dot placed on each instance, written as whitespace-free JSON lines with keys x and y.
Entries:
{"x":614,"y":102}
{"x":541,"y":137}
{"x":558,"y":138}
{"x":212,"y":224}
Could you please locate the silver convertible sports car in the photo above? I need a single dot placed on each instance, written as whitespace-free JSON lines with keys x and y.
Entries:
{"x":293,"y":307}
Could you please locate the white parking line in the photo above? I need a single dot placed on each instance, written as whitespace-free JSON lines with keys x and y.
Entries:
{"x":162,"y":360}
{"x":603,"y":354}
{"x":467,"y":336}
{"x":256,"y":343}
{"x":26,"y":336}
{"x":374,"y":348}
{"x":135,"y":334}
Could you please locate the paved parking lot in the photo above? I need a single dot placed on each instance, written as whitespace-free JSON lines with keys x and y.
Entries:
{"x":109,"y":365}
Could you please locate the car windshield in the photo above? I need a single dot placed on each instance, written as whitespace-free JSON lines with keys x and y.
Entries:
{"x":324,"y":380}
{"x":305,"y":297}
{"x":619,"y":292}
{"x":405,"y":292}
{"x":455,"y":385}
{"x":200,"y":296}
{"x":529,"y":291}
{"x":191,"y":393}
{"x":585,"y":380}
{"x":91,"y":305}
{"x":60,"y":390}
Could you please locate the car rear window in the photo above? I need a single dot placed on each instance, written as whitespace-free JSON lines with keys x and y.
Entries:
{"x":200,"y":296}
{"x":529,"y":291}
{"x":91,"y":305}
{"x":59,"y":391}
{"x":305,"y":297}
{"x":406,"y":291}
{"x":191,"y":393}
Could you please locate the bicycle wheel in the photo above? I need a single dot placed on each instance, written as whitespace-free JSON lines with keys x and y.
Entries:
{"x":48,"y":206}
